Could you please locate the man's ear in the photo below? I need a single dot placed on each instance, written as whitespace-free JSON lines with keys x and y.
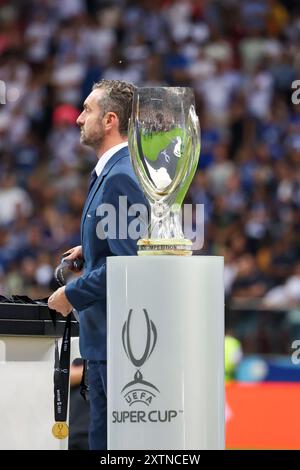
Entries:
{"x":111,"y":120}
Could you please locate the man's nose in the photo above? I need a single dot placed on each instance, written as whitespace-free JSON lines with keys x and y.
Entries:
{"x":80,"y":120}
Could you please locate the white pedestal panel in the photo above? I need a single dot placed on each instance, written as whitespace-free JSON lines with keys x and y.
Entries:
{"x":165,"y":352}
{"x":26,"y":393}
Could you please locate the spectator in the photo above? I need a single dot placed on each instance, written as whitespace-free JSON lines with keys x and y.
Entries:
{"x":239,"y":56}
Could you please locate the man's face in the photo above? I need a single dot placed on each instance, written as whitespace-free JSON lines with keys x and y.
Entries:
{"x":90,"y":121}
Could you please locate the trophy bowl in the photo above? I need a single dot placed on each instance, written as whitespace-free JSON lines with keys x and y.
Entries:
{"x":164,"y":144}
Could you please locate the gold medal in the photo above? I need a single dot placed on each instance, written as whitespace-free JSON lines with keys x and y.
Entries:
{"x":60,"y":430}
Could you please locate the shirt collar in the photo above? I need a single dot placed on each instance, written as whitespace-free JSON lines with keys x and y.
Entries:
{"x":107,"y":155}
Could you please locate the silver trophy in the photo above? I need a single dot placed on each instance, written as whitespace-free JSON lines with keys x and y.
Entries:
{"x":164,"y":143}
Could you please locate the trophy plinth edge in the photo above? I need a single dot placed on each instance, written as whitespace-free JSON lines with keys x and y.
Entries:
{"x":173,"y":246}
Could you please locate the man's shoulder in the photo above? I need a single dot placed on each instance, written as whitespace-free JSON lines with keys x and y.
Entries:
{"x":122,"y":166}
{"x":121,"y":179}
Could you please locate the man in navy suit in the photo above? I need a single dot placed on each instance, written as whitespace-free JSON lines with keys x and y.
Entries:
{"x":104,"y":125}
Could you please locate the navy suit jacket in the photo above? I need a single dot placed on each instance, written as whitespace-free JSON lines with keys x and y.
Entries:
{"x":87,"y":293}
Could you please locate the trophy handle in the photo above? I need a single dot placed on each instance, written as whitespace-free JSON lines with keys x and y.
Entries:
{"x":193,"y":149}
{"x":141,"y":171}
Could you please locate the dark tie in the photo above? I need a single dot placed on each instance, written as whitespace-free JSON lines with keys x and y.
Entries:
{"x":92,"y":180}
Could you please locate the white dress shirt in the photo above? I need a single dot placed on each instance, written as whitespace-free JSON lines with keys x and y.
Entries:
{"x":107,"y":155}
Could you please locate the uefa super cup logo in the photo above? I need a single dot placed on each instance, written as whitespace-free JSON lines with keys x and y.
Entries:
{"x":139,"y":389}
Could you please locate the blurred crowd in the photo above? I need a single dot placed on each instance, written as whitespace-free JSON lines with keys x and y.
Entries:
{"x":240,"y":56}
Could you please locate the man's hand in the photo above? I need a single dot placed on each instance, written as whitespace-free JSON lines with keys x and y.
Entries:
{"x":59,"y":302}
{"x":73,"y":253}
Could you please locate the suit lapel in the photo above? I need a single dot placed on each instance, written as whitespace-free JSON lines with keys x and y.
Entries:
{"x":111,"y":162}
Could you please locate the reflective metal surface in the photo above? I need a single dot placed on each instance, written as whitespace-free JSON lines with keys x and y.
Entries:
{"x":164,"y":142}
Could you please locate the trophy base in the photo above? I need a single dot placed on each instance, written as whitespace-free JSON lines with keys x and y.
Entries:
{"x":172,"y":246}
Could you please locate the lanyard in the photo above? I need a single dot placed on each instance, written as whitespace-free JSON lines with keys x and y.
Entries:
{"x":60,"y":429}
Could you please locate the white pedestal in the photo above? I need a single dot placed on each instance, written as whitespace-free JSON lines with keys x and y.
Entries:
{"x":165,"y":352}
{"x":26,"y":393}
